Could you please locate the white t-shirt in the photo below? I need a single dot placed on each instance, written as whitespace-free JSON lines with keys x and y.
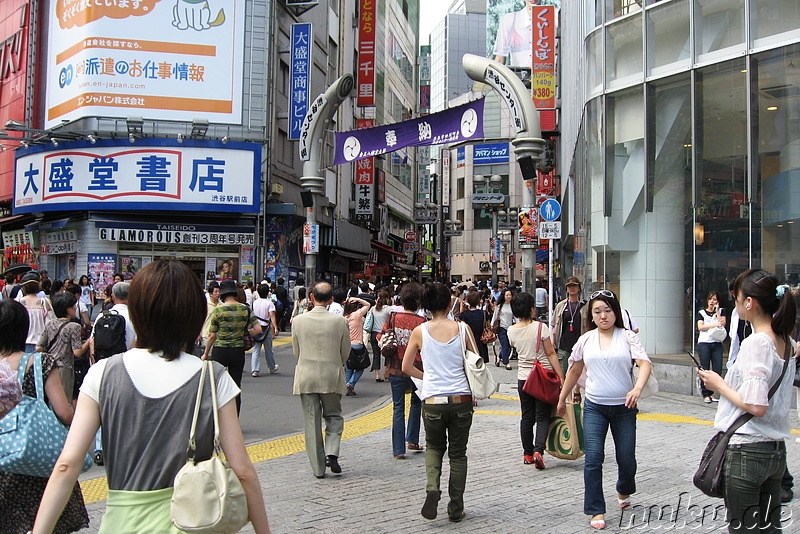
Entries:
{"x":541,"y":297}
{"x":262,"y":308}
{"x":336,"y":308}
{"x":608,"y":373}
{"x":154,"y":377}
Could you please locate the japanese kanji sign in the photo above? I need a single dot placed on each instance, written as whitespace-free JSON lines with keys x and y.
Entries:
{"x":365,"y":180}
{"x":449,"y":126}
{"x":365,"y":81}
{"x":543,"y":86}
{"x":145,"y":58}
{"x":300,"y":79}
{"x":163,"y":175}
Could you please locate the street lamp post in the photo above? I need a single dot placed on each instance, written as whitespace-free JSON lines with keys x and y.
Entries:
{"x":506,"y":222}
{"x":451,"y":229}
{"x":493,"y":184}
{"x":426,"y":213}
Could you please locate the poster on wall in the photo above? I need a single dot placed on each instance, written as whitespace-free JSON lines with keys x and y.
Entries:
{"x":101,"y":269}
{"x":129,"y":266}
{"x":226,"y":269}
{"x":509,"y":30}
{"x":211,"y":269}
{"x":65,"y":266}
{"x":248,"y":256}
{"x":145,"y":58}
{"x":284,"y":242}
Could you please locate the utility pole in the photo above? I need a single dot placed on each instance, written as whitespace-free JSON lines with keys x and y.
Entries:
{"x":312,"y":133}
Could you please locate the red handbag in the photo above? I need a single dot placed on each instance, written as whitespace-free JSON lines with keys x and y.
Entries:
{"x":542,"y":384}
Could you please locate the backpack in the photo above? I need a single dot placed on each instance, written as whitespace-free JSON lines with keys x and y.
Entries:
{"x":109,"y":335}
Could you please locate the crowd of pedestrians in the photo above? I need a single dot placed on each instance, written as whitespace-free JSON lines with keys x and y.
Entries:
{"x":413,"y":336}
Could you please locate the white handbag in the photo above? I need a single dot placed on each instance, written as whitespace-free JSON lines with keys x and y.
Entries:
{"x":208,"y":496}
{"x":651,"y":386}
{"x":481,"y":382}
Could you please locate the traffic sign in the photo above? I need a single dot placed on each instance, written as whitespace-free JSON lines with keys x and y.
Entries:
{"x":550,"y":230}
{"x":411,"y":235}
{"x":550,"y":210}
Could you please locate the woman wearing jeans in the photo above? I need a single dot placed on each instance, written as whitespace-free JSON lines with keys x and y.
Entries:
{"x":355,"y":310}
{"x":708,"y":348}
{"x":403,"y":323}
{"x":506,"y":317}
{"x":447,"y":400}
{"x":756,"y":456}
{"x":607,"y":353}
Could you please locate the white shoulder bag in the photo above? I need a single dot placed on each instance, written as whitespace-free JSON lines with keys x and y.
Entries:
{"x":208,"y":496}
{"x":481,"y":382}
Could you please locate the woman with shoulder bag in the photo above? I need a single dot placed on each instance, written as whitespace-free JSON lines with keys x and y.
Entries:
{"x":264,"y":312}
{"x":37,"y":306}
{"x":476,"y":320}
{"x":502,"y":319}
{"x":355,"y":310}
{"x":380,"y":313}
{"x":447,"y":399}
{"x":710,"y":335}
{"x":755,"y":458}
{"x":146,"y":395}
{"x":607,"y":353}
{"x":20,"y":494}
{"x":531,"y":338}
{"x":402,"y":324}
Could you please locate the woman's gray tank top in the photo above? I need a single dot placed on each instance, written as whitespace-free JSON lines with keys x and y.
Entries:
{"x":144,"y":439}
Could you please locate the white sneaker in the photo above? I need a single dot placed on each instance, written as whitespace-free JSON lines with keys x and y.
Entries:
{"x":274,"y":369}
{"x":255,"y":374}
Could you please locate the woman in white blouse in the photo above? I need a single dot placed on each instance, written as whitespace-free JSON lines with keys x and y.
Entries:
{"x":602,"y":362}
{"x":756,"y":456}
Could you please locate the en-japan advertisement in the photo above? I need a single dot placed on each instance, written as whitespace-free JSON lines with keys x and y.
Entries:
{"x":166,"y":59}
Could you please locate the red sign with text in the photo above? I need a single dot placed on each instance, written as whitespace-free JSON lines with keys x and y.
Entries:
{"x":543,"y":73}
{"x":366,"y":53}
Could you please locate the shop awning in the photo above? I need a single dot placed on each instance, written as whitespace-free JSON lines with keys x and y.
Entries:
{"x":12,"y":218}
{"x":406,"y":266}
{"x":351,"y":255}
{"x":387,"y":248}
{"x":47,"y":225}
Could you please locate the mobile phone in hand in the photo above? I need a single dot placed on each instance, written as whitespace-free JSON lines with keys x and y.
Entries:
{"x":696,"y":362}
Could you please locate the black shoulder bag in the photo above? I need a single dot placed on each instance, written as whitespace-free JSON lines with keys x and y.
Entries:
{"x":708,"y":477}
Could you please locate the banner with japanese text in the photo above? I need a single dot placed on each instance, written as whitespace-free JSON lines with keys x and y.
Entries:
{"x":365,"y":180}
{"x":300,"y":77}
{"x":365,"y":84}
{"x":453,"y":125}
{"x":176,"y":60}
{"x":543,"y":74}
{"x":163,"y":174}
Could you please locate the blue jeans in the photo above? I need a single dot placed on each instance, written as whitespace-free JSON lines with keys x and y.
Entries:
{"x":505,"y":346}
{"x":752,"y":483}
{"x":401,"y":435}
{"x":350,"y":375}
{"x":711,"y":359}
{"x":266,"y":346}
{"x":596,"y":420}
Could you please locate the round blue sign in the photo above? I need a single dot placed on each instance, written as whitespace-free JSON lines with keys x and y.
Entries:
{"x":550,"y":210}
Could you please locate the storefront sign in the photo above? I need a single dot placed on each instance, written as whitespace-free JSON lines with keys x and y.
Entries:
{"x":528,"y":229}
{"x":365,"y":180}
{"x":543,"y":84}
{"x":445,"y":155}
{"x":300,"y":78}
{"x":489,"y":154}
{"x":424,"y":98}
{"x":64,"y":247}
{"x":145,"y":58}
{"x":366,"y":53}
{"x":17,"y":238}
{"x":199,"y":176}
{"x":62,"y":235}
{"x":310,"y":238}
{"x":138,"y":235}
{"x":449,"y":126}
{"x":461,"y":156}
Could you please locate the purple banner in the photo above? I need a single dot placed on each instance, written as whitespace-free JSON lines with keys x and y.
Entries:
{"x":449,"y":126}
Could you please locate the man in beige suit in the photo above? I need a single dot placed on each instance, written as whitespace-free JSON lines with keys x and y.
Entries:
{"x":321,"y":343}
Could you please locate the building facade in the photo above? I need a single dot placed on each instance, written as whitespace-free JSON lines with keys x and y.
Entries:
{"x":682,"y":150}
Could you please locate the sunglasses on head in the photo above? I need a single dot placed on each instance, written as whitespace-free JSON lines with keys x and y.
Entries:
{"x":604,"y":292}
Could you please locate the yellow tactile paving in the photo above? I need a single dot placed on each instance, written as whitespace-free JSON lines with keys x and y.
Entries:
{"x":96,"y":489}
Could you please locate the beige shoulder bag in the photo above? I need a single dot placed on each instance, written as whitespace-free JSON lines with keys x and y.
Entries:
{"x":208,"y":496}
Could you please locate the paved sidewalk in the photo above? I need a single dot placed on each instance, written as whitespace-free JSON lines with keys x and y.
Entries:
{"x":377,"y":493}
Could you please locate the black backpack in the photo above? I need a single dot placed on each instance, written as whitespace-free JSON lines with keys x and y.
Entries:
{"x":109,"y":335}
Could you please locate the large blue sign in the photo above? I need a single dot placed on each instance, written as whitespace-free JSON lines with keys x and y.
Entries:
{"x":151,"y":174}
{"x":300,"y":77}
{"x":452,"y":125}
{"x":491,"y":153}
{"x":550,"y":210}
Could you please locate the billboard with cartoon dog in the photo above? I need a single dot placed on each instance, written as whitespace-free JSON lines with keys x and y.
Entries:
{"x":166,"y":59}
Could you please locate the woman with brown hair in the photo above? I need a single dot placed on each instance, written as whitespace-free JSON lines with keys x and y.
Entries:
{"x":145,"y":396}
